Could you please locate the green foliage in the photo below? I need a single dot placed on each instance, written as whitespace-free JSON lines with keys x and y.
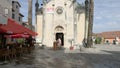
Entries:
{"x":98,"y":40}
{"x":20,"y":41}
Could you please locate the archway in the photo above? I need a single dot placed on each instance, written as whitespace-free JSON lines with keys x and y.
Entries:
{"x":60,"y":36}
{"x":59,"y":33}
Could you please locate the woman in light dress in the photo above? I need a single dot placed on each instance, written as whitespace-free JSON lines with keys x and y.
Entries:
{"x":59,"y":42}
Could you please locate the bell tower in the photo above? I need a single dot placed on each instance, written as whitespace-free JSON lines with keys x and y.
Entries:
{"x":36,"y":6}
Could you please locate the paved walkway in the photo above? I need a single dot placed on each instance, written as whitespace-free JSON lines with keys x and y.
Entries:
{"x":101,"y":56}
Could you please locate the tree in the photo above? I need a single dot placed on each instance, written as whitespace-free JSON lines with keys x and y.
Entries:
{"x":98,"y":40}
{"x":30,"y":13}
{"x":90,"y":24}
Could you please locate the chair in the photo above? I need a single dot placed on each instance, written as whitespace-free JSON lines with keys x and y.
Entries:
{"x":30,"y":48}
{"x":1,"y":52}
{"x":25,"y":49}
{"x":19,"y":50}
{"x":5,"y":53}
{"x":13,"y":53}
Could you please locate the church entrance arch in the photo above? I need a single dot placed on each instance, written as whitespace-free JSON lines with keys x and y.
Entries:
{"x":59,"y":34}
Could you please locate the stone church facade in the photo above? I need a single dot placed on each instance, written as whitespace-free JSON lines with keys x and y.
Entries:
{"x":64,"y":19}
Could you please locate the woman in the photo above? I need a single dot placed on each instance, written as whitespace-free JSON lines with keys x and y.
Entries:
{"x":59,"y":42}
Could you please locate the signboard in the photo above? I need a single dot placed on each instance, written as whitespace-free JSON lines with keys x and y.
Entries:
{"x":49,"y":10}
{"x":3,"y":19}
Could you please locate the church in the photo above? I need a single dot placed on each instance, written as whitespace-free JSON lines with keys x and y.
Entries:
{"x":61,"y":19}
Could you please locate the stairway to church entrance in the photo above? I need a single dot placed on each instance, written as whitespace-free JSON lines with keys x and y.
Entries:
{"x":61,"y":36}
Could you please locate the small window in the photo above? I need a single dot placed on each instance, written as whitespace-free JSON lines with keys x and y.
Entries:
{"x":13,"y":16}
{"x":13,"y":2}
{"x":6,"y":11}
{"x":16,"y":6}
{"x":19,"y":18}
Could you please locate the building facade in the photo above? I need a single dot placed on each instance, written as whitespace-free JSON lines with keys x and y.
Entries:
{"x":110,"y":37}
{"x":5,"y":10}
{"x":11,"y":9}
{"x":6,"y":7}
{"x":64,"y":19}
{"x":16,"y":15}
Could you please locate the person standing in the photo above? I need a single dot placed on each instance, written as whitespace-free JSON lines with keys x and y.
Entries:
{"x":59,"y":42}
{"x":29,"y":41}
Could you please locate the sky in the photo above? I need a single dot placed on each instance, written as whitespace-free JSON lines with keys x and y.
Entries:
{"x":106,"y":14}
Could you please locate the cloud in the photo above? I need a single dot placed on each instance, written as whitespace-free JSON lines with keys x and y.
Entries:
{"x":98,"y":17}
{"x":80,"y":1}
{"x":106,"y":14}
{"x":108,"y":26}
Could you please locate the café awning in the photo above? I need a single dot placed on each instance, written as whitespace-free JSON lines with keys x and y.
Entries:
{"x":13,"y":27}
{"x":17,"y":36}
